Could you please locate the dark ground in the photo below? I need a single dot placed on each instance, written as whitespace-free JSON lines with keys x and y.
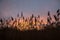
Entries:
{"x":13,"y":34}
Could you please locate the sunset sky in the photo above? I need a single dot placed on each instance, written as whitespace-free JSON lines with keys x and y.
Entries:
{"x":37,"y":7}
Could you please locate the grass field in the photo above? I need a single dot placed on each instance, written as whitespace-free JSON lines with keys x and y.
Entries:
{"x":13,"y":34}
